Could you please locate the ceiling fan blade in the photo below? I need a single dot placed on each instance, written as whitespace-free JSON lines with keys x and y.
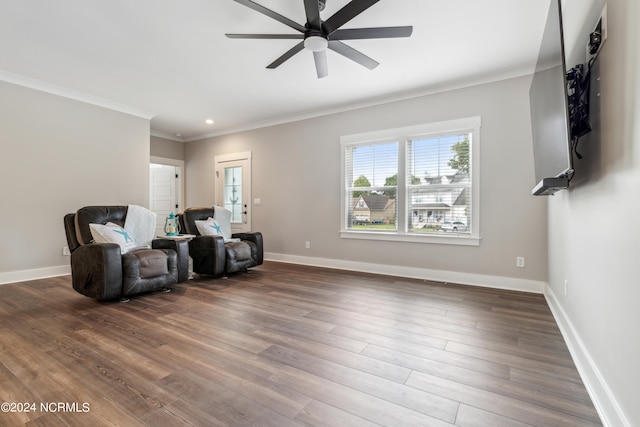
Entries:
{"x":352,"y":54}
{"x":372,"y":33}
{"x":265,"y":36}
{"x":321,"y":63}
{"x":346,"y":14}
{"x":271,"y":14}
{"x":312,"y":9}
{"x":288,"y":54}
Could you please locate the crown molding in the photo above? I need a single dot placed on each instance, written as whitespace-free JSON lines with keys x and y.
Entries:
{"x":41,"y":86}
{"x":165,"y":135}
{"x":373,"y":102}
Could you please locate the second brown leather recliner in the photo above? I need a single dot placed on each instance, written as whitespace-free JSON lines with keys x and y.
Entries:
{"x":219,"y":253}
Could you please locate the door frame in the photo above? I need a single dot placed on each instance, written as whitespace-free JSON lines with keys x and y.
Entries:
{"x":218,"y":166}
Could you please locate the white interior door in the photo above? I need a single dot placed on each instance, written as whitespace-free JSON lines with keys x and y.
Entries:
{"x":163,"y":193}
{"x":233,"y":189}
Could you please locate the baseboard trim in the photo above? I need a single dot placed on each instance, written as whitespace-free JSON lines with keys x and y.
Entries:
{"x":34,"y":274}
{"x":498,"y":282}
{"x":606,"y":405}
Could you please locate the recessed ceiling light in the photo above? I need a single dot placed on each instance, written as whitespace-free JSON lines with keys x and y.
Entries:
{"x":209,"y":121}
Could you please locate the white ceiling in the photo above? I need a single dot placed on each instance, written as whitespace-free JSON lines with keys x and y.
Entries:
{"x":170,"y":59}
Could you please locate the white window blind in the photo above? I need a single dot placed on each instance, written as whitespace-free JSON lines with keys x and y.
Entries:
{"x":371,"y":186}
{"x":418,"y":183}
{"x":439,"y":184}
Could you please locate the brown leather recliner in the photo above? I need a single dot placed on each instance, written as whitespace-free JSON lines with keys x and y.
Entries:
{"x":103,"y":272}
{"x":211,"y":255}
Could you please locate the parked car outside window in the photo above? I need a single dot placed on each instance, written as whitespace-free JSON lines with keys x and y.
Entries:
{"x":453,"y":226}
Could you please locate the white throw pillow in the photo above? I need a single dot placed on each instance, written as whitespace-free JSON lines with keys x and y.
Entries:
{"x":223,"y":217}
{"x":140,"y":223}
{"x":112,"y":233}
{"x":209,"y":227}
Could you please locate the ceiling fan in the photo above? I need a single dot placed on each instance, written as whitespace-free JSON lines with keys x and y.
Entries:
{"x":318,"y":35}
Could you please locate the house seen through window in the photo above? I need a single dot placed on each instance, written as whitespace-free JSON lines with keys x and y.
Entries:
{"x":412,"y":183}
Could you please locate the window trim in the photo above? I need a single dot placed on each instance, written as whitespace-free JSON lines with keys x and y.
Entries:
{"x":402,"y":135}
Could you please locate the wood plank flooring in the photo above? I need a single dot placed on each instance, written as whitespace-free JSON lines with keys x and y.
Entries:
{"x":287,"y":345}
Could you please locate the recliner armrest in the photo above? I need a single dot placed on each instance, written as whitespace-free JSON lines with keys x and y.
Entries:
{"x":97,"y":270}
{"x":182,"y":250}
{"x":208,"y":254}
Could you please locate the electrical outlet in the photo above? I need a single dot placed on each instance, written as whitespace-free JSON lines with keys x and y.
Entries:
{"x":520,"y":261}
{"x":307,"y":245}
{"x":66,"y":251}
{"x":566,"y":288}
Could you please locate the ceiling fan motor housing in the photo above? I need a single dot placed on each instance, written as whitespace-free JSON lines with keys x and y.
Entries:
{"x":315,"y":41}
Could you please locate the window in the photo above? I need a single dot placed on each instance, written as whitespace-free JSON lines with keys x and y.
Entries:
{"x":372,"y":193}
{"x":418,"y":183}
{"x":232,"y":192}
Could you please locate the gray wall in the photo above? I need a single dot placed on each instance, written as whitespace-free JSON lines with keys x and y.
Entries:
{"x":59,"y":155}
{"x":593,"y":229}
{"x":296,"y":174}
{"x":162,"y":147}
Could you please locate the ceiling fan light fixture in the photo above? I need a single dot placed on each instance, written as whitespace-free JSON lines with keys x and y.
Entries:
{"x":316,"y":43}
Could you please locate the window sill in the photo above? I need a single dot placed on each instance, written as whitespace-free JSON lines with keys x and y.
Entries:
{"x":453,"y":239}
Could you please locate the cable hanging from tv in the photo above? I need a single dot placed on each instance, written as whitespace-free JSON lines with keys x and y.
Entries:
{"x":578,"y":85}
{"x":578,"y":90}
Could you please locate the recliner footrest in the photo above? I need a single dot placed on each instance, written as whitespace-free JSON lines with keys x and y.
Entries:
{"x":240,"y":251}
{"x":239,"y":256}
{"x":148,"y":269}
{"x":152,"y":262}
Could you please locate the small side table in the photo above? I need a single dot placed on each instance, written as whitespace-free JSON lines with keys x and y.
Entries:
{"x":178,"y":237}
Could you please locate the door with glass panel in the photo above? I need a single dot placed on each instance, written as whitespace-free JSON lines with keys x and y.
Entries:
{"x":233,"y":189}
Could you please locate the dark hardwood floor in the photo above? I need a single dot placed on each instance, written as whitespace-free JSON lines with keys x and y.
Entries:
{"x":286,"y":346}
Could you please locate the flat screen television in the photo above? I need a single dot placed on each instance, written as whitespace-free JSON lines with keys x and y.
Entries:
{"x":550,"y":110}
